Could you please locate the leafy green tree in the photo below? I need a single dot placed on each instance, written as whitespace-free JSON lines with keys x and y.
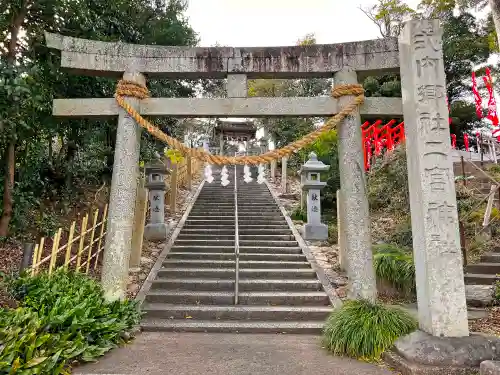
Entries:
{"x":63,"y":155}
{"x":466,"y":43}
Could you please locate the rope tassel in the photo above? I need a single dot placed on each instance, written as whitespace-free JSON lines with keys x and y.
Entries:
{"x":132,"y":89}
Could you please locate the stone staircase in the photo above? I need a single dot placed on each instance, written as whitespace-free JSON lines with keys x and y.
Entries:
{"x":195,"y":288}
{"x":484,"y":272}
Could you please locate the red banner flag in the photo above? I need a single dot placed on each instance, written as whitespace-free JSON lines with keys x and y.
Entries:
{"x":466,"y":142}
{"x":477,"y":97}
{"x":453,"y":141}
{"x":492,"y":104}
{"x":368,"y":146}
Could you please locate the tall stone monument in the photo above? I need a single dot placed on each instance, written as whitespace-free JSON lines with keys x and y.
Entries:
{"x":442,"y":345}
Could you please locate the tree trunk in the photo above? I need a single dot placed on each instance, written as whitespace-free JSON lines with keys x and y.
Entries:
{"x":10,"y":162}
{"x":10,"y":152}
{"x":495,"y":10}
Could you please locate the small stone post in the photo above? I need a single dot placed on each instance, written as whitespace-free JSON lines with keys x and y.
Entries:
{"x":189,"y":172}
{"x":442,"y":309}
{"x":221,"y":144}
{"x":341,"y":233}
{"x":27,"y":259}
{"x":173,"y":188}
{"x":303,"y":195}
{"x":272,"y":168}
{"x":362,"y":284}
{"x":156,"y":230}
{"x":141,"y":207}
{"x":122,"y":200}
{"x":284,"y":170}
{"x":312,"y":185}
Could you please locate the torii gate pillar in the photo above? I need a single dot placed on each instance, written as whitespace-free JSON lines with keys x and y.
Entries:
{"x":122,"y":200}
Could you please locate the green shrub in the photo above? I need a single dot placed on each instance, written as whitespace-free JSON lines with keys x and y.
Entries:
{"x":403,"y":235}
{"x":299,"y":215}
{"x":62,"y":318}
{"x":333,"y":233}
{"x":395,"y":265}
{"x":388,"y":183}
{"x":364,"y":330}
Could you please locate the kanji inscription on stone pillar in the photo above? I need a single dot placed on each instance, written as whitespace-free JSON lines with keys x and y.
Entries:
{"x":442,"y":306}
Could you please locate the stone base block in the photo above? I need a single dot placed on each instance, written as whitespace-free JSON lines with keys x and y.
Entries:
{"x":490,"y":368}
{"x":318,"y":232}
{"x":156,"y":232}
{"x":422,"y":354}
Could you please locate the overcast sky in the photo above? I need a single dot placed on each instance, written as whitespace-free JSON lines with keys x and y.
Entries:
{"x":243,"y":23}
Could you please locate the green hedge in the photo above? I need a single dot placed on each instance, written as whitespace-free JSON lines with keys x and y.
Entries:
{"x":61,"y":319}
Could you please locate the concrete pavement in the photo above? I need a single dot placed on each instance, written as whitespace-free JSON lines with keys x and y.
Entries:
{"x":226,"y":354}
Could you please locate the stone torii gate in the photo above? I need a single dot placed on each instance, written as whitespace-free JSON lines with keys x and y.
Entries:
{"x":346,"y":62}
{"x":440,"y":284}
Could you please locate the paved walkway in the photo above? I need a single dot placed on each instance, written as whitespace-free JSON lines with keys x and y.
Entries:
{"x":226,"y":354}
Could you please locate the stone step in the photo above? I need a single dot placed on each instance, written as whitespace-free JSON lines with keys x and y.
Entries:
{"x":213,"y":204}
{"x":205,"y":242}
{"x":252,"y":208}
{"x":243,"y":256}
{"x":254,"y":273}
{"x":186,"y":230}
{"x":263,"y":218}
{"x":230,"y":249}
{"x":236,"y":312}
{"x":245,"y":285}
{"x":309,"y":298}
{"x":215,"y":199}
{"x":191,"y":221}
{"x":214,"y":216}
{"x":264,"y":227}
{"x":493,"y":257}
{"x":214,"y":212}
{"x":219,"y":195}
{"x":257,"y":206}
{"x":479,"y":279}
{"x":268,"y":202}
{"x":265,"y":231}
{"x":205,"y":236}
{"x":261,"y":264}
{"x":268,"y":243}
{"x":266,"y":237}
{"x":242,"y":221}
{"x":186,"y":325}
{"x":484,"y":268}
{"x":271,"y":249}
{"x":199,"y":226}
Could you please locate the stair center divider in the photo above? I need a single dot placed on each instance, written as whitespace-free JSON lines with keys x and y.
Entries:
{"x":236,"y":240}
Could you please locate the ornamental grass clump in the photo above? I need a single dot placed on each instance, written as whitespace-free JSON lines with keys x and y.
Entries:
{"x":62,"y":318}
{"x":395,"y":266}
{"x":364,"y":330}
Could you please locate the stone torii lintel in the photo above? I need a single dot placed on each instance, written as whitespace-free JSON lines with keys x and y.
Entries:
{"x":228,"y":107}
{"x":90,"y":57}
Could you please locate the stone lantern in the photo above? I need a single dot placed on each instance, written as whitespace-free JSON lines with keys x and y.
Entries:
{"x":156,"y":229}
{"x":311,"y":184}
